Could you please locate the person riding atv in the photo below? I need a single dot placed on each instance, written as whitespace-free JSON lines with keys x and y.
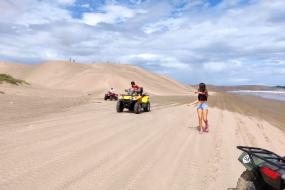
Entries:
{"x":111,"y":95}
{"x":135,"y":89}
{"x":135,"y":100}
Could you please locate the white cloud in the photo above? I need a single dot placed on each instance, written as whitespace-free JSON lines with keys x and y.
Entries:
{"x":161,"y":26}
{"x":66,"y":2}
{"x":215,"y":66}
{"x":32,"y":12}
{"x":282,"y":71}
{"x":155,"y":60}
{"x":222,"y":66}
{"x":145,"y":56}
{"x":110,"y":14}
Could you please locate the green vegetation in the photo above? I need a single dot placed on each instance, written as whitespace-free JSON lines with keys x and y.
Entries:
{"x":9,"y":79}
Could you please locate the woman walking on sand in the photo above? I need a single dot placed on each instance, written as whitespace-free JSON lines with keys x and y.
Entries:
{"x":202,"y":107}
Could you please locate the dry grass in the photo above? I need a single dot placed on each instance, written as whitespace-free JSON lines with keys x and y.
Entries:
{"x":9,"y":79}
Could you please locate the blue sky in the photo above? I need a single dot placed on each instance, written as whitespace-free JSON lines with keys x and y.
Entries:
{"x":227,"y":42}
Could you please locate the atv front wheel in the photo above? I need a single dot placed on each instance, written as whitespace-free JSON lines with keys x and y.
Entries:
{"x":137,"y":108}
{"x":147,"y":107}
{"x":248,"y":181}
{"x":120,"y":106}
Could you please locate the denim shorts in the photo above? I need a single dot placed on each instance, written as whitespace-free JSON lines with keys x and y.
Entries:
{"x":202,"y":106}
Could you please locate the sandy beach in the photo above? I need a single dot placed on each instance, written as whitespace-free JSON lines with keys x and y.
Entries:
{"x":59,"y":133}
{"x":77,"y":141}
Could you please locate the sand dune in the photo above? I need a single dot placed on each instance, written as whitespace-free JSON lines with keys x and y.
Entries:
{"x":95,"y":78}
{"x":17,"y":70}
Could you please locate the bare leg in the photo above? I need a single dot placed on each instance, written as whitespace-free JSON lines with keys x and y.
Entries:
{"x":200,"y":118}
{"x":205,"y":115}
{"x":205,"y":118}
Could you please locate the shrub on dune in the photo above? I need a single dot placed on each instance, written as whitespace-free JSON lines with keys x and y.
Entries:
{"x":9,"y":79}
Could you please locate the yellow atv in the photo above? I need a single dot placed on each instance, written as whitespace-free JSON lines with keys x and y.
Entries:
{"x":133,"y":101}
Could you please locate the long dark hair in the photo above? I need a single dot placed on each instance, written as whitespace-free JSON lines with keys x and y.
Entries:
{"x":202,"y":87}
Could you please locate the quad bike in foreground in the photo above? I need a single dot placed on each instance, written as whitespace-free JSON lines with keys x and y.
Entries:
{"x":133,"y":101}
{"x":111,"y":96}
{"x":265,"y":170}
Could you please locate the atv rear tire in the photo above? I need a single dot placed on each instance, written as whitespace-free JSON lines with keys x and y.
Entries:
{"x":147,"y":107}
{"x":248,"y":181}
{"x":120,"y":106}
{"x":137,"y":108}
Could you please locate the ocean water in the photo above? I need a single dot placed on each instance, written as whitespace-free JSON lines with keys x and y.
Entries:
{"x":275,"y":95}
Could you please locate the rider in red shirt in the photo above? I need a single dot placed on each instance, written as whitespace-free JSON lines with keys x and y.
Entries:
{"x":134,"y":87}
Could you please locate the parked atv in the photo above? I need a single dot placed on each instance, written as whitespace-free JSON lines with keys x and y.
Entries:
{"x":133,"y":101}
{"x":265,"y":170}
{"x":111,"y":96}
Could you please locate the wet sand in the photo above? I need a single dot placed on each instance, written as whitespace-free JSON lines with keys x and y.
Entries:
{"x":272,"y":111}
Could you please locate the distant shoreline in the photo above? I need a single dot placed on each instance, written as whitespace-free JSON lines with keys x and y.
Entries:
{"x":262,"y":91}
{"x":268,"y":94}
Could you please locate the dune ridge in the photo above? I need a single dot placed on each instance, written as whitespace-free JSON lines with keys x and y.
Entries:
{"x":93,"y":77}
